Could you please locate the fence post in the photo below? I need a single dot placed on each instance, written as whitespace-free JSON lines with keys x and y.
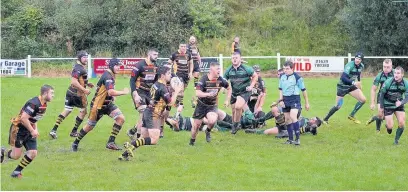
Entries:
{"x":221,"y":64}
{"x":29,"y":66}
{"x":89,"y":66}
{"x":278,"y":60}
{"x":349,"y":57}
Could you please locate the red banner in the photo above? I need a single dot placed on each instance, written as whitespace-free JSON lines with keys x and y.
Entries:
{"x":99,"y":65}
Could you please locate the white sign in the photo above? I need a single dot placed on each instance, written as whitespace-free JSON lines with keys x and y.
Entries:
{"x":13,"y":67}
{"x":317,"y":64}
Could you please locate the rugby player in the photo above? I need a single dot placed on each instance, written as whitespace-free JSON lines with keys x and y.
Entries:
{"x":182,"y":65}
{"x":207,"y":90}
{"x":76,"y":95}
{"x":386,"y":73}
{"x":103,"y":104}
{"x":152,"y":116}
{"x":349,"y":84}
{"x":393,"y":97}
{"x":141,"y":81}
{"x":243,"y":80}
{"x":257,"y":98}
{"x":24,"y":130}
{"x":192,"y":48}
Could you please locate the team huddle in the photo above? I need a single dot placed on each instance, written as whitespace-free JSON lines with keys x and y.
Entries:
{"x":157,"y":89}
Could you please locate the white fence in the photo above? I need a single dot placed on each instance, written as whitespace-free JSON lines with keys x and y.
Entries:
{"x":302,"y":63}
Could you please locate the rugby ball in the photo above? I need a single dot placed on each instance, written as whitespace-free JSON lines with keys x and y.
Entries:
{"x":175,"y":82}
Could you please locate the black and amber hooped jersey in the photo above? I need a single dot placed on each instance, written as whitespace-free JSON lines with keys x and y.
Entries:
{"x":105,"y":83}
{"x":211,"y":86}
{"x":79,"y":72}
{"x":34,"y":108}
{"x":182,"y":63}
{"x":194,"y":51}
{"x":160,"y":97}
{"x":143,"y":76}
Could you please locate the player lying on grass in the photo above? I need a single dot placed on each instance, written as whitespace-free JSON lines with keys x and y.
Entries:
{"x":307,"y":125}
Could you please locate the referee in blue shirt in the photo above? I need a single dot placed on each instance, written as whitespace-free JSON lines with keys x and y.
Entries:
{"x":290,"y":85}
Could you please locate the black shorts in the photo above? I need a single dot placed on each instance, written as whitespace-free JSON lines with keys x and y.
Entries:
{"x":149,"y":121}
{"x":291,"y":103}
{"x":245,"y":95}
{"x":196,"y":67}
{"x":202,"y":109}
{"x":388,"y":111}
{"x":144,"y":98}
{"x":19,"y":136}
{"x":343,"y":90}
{"x":72,"y":100}
{"x":251,"y":105}
{"x":96,"y":114}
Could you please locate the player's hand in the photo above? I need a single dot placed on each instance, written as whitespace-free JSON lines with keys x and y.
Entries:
{"x":358,"y":84}
{"x":136,"y":97}
{"x":249,"y":88}
{"x":91,"y":85}
{"x":226,"y":103}
{"x":87,"y":91}
{"x":398,"y":103}
{"x":212,"y":94}
{"x":307,"y":106}
{"x":282,"y":104}
{"x":372,"y":106}
{"x":126,"y":91}
{"x":34,"y":133}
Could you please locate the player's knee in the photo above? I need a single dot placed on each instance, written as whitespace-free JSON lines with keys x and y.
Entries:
{"x":401,"y":123}
{"x":154,"y":140}
{"x":363,"y":100}
{"x":389,"y":125}
{"x":32,"y":154}
{"x":120,"y":119}
{"x":82,"y":112}
{"x":275,"y":111}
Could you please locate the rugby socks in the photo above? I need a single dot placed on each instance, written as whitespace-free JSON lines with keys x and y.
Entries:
{"x":296,"y":129}
{"x":227,"y":118}
{"x":133,"y":130}
{"x":81,"y":135}
{"x":356,"y":108}
{"x":260,"y":132}
{"x":58,"y":122}
{"x":78,"y":122}
{"x":141,"y":141}
{"x":331,"y":112}
{"x":23,"y":163}
{"x":400,"y":130}
{"x":161,"y":131}
{"x":115,"y":131}
{"x":9,"y":154}
{"x":378,"y":123}
{"x":290,"y":131}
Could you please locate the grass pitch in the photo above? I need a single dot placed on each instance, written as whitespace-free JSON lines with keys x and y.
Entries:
{"x":343,"y":156}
